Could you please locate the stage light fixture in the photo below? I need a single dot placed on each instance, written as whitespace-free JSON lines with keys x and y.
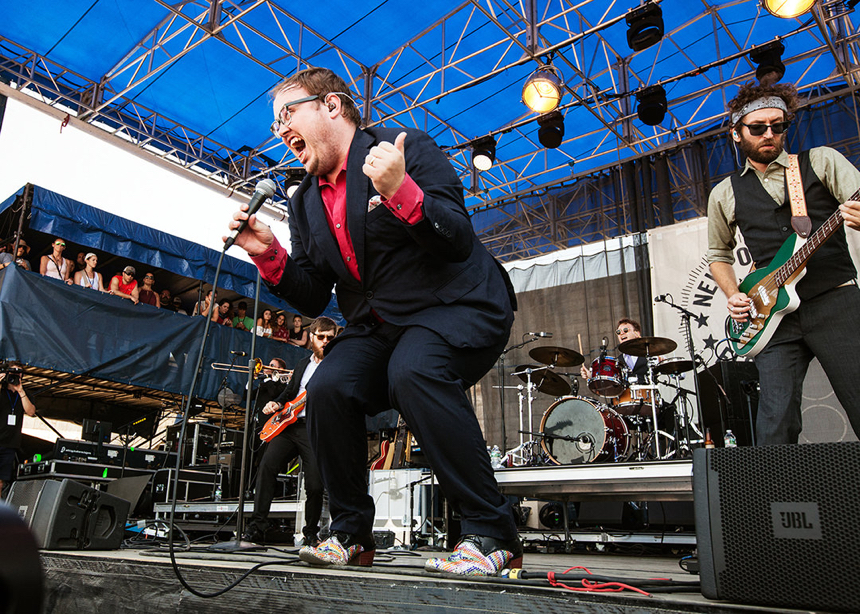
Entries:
{"x":542,"y":90}
{"x":787,"y":9}
{"x":483,"y":153}
{"x":769,"y":59}
{"x":644,"y":26}
{"x":293,"y":180}
{"x":652,"y":105}
{"x":551,"y":132}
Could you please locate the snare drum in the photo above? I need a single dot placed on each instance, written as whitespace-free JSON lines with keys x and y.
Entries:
{"x":636,"y":401}
{"x":606,"y":379}
{"x":579,"y":430}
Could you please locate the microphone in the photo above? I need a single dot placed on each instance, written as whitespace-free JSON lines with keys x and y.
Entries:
{"x":235,"y":353}
{"x":540,"y":334}
{"x":603,"y":346}
{"x":661,"y":298}
{"x":264,"y":190}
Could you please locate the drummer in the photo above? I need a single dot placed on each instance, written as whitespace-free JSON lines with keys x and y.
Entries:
{"x":636,"y":366}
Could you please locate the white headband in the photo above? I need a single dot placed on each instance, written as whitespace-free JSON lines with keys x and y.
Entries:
{"x":765,"y":102}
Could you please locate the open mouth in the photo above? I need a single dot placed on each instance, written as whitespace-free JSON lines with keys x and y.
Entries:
{"x":297,"y":144}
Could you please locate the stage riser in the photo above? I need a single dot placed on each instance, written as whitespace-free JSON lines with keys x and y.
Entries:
{"x":83,"y":584}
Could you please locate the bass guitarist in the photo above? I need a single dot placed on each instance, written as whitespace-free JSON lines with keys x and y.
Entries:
{"x":826,"y":325}
{"x":288,"y":443}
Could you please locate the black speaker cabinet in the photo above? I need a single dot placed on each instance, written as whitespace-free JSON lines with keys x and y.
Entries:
{"x":729,"y":400}
{"x":780,"y":525}
{"x":66,"y":515}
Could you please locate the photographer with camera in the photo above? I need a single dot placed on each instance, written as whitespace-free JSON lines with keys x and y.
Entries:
{"x":14,"y":403}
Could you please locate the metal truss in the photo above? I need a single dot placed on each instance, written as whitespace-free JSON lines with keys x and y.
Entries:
{"x":477,"y":55}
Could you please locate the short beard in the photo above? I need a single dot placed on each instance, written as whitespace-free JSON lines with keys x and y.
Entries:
{"x":752,"y":152}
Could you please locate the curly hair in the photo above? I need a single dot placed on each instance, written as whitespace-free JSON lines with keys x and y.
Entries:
{"x":322,"y":82}
{"x":750,"y":91}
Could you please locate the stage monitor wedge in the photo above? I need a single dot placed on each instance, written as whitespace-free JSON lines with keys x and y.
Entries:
{"x":780,"y":525}
{"x":67,"y":515}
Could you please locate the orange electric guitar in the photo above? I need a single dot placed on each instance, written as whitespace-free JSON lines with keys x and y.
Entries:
{"x":283,"y":418}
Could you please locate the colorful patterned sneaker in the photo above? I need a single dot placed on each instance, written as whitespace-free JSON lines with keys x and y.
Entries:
{"x":479,"y":555}
{"x":340,"y":549}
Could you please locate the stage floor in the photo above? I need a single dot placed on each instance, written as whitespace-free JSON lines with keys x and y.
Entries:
{"x":136,"y":580}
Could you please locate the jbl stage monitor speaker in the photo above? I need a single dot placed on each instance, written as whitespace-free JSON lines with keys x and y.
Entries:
{"x":66,"y":515}
{"x":780,"y":525}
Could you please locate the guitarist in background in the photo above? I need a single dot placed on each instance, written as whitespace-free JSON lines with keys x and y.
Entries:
{"x":826,"y":325}
{"x":288,"y":443}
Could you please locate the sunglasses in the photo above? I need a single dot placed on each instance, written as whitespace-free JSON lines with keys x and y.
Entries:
{"x":148,"y":277}
{"x":323,"y":337}
{"x":760,"y":129}
{"x":623,"y":330}
{"x":59,"y":244}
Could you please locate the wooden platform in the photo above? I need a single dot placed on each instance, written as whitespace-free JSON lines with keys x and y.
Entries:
{"x":137,"y":581}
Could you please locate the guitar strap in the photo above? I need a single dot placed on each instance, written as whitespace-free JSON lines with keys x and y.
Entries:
{"x":800,"y":221}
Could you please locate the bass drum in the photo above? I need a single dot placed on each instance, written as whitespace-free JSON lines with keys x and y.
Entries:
{"x":577,"y":430}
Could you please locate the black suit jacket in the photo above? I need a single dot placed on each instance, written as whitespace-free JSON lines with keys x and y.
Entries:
{"x":434,"y":274}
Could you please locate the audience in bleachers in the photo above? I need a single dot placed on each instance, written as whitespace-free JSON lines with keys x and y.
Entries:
{"x":125,"y":285}
{"x":88,"y":277}
{"x":147,"y":293}
{"x":264,"y":324}
{"x":298,"y":336}
{"x":55,"y":265}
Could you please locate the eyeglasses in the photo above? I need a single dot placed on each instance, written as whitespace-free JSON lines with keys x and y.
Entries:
{"x":623,"y":330}
{"x":323,"y":337}
{"x":760,"y":129}
{"x":285,"y":116}
{"x":148,"y":277}
{"x":59,"y":243}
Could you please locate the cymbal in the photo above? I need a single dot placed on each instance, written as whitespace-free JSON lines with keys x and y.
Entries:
{"x":545,"y":380}
{"x":556,"y":356}
{"x":673,"y":366}
{"x":647,"y":346}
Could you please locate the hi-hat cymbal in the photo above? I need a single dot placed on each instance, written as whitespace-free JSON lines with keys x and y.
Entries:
{"x":545,"y":380}
{"x":647,"y":346}
{"x":556,"y":356}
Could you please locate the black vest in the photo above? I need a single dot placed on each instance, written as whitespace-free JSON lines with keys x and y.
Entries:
{"x":766,"y":226}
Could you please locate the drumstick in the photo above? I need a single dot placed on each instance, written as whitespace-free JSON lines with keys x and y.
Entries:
{"x":579,"y":338}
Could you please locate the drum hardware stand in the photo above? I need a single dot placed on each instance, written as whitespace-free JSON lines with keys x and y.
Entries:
{"x":653,"y":388}
{"x":685,"y":318}
{"x":501,"y":371}
{"x":530,"y":397}
{"x":683,"y":424}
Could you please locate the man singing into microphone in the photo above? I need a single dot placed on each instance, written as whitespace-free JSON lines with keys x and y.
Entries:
{"x":381,"y":218}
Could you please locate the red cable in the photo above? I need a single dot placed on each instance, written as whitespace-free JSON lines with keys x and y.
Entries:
{"x":593,"y":587}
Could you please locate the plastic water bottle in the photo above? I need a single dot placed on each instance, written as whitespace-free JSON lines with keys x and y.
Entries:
{"x":218,"y":493}
{"x":496,"y":458}
{"x":730,"y":441}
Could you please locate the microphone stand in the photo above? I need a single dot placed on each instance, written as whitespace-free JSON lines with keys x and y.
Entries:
{"x":685,"y":318}
{"x":238,"y":544}
{"x":501,"y":371}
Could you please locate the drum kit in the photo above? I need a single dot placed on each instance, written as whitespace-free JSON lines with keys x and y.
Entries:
{"x":622,"y":425}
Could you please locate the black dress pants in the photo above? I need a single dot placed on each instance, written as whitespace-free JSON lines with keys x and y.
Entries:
{"x":425,"y":378}
{"x":292,"y":441}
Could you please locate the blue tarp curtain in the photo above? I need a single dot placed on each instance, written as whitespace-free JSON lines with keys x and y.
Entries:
{"x":58,"y":215}
{"x":48,"y":324}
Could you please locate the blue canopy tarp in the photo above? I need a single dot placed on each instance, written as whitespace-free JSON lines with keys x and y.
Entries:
{"x":48,"y":324}
{"x":58,"y":215}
